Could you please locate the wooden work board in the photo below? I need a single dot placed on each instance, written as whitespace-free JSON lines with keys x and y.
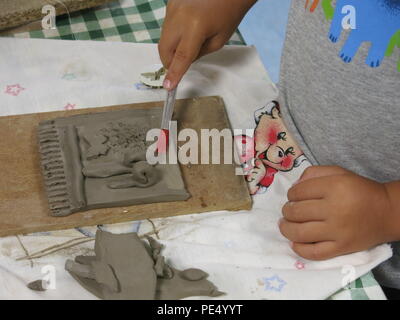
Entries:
{"x":23,"y":204}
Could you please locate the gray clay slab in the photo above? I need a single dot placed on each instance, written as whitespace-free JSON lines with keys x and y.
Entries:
{"x":71,"y":147}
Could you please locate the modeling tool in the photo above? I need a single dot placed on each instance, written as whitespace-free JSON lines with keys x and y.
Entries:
{"x":163,"y":139}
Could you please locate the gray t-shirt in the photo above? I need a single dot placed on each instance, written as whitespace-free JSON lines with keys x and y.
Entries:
{"x":340,"y":90}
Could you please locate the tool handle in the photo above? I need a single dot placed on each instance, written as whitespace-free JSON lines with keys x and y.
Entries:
{"x":168,"y":109}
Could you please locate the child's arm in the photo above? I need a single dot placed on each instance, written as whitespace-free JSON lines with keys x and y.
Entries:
{"x":332,"y":211}
{"x":193,"y":28}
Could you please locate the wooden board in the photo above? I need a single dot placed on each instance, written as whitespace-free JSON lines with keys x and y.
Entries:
{"x":23,"y":205}
{"x":18,"y":12}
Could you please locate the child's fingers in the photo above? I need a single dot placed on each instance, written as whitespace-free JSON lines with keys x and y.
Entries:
{"x":321,"y":171}
{"x":316,"y":251}
{"x":305,"y":232}
{"x":186,"y":52}
{"x":304,"y":211}
{"x":170,"y":35}
{"x":167,"y":45}
{"x":311,"y":189}
{"x":211,"y":45}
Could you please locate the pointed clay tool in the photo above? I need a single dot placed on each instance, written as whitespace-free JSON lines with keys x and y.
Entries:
{"x":162,"y":144}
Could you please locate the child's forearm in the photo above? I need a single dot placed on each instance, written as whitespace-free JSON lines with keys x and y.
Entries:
{"x":393,"y":223}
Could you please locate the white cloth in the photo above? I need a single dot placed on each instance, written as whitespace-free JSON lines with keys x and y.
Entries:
{"x":244,"y":252}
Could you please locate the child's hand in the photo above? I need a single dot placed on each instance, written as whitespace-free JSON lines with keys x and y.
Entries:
{"x":332,"y":211}
{"x":193,"y":28}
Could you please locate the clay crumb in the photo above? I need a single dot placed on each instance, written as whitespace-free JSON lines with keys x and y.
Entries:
{"x":36,"y":285}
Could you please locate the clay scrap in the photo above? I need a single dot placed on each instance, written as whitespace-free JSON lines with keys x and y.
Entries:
{"x":36,"y":285}
{"x":127,"y":268}
{"x":98,"y":160}
{"x":154,"y":79}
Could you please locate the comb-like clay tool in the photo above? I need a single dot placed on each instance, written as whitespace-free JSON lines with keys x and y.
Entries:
{"x":162,"y":144}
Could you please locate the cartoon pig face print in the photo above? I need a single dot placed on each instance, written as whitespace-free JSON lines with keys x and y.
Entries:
{"x":274,"y":146}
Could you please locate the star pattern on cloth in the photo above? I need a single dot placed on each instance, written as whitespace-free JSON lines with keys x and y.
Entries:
{"x":69,"y":106}
{"x":299,"y":265}
{"x":229,"y":244}
{"x":69,"y":76}
{"x":274,"y":283}
{"x":14,"y":89}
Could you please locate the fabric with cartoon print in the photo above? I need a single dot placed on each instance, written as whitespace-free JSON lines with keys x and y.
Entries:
{"x":243,"y":252}
{"x":273,"y":149}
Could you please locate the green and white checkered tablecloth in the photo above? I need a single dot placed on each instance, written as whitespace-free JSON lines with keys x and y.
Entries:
{"x":124,"y":20}
{"x":363,"y":288}
{"x":140,"y":21}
